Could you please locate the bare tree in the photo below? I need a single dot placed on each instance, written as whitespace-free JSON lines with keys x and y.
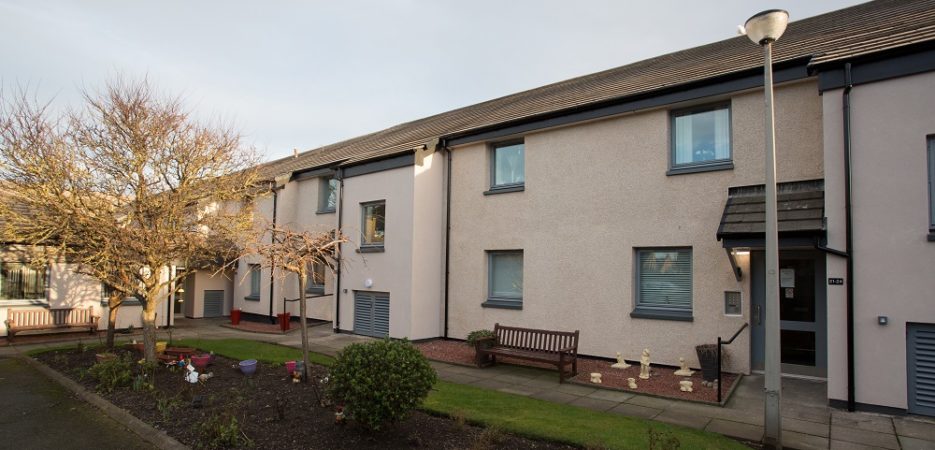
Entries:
{"x":126,"y":187}
{"x":296,"y":252}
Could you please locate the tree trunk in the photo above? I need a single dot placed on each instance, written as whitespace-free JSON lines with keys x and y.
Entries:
{"x":111,"y":322}
{"x":302,"y":323}
{"x":149,"y":331}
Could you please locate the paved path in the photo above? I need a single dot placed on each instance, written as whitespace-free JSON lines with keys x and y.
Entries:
{"x":808,"y":423}
{"x":38,"y":413}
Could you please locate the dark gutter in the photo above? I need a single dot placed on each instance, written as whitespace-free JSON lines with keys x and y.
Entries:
{"x":790,"y":70}
{"x":447,"y":231}
{"x":849,"y":238}
{"x":365,"y":167}
{"x":900,"y":62}
{"x":339,"y":174}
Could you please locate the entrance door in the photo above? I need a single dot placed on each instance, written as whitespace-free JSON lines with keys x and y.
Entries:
{"x":802,"y":312}
{"x":372,"y":313}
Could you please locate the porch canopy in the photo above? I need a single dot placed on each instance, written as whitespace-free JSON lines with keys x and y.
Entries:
{"x":801,"y":215}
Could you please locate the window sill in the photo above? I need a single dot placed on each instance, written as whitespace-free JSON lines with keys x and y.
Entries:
{"x":252,"y":298}
{"x":656,"y":314}
{"x":315,"y":291}
{"x":128,"y":302}
{"x":325,"y":211}
{"x":931,"y":236}
{"x":505,"y":189}
{"x":503,"y":304}
{"x":725,"y":165}
{"x":379,"y":249}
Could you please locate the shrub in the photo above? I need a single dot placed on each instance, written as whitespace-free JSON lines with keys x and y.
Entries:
{"x":112,"y":373}
{"x":476,"y":335}
{"x":221,"y":431}
{"x":380,"y":382}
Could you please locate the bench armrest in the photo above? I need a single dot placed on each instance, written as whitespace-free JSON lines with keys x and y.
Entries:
{"x":572,"y":348}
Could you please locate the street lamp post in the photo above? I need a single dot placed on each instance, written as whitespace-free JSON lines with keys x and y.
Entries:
{"x":765,"y":28}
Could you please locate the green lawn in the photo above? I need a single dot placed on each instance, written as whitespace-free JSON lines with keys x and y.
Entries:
{"x":512,"y":413}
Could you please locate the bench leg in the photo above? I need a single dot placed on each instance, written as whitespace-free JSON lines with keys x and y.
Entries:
{"x":574,"y":367}
{"x":561,"y":368}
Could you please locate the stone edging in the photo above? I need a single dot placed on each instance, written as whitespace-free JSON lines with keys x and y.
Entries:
{"x":157,"y":438}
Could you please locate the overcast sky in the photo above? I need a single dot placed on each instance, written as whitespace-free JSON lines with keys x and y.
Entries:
{"x":293,"y":74}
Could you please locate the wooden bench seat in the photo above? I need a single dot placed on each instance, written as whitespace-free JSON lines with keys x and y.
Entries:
{"x":43,"y":319}
{"x":559,"y":348}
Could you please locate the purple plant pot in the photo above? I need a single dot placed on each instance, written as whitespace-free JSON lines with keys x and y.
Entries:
{"x":248,"y":367}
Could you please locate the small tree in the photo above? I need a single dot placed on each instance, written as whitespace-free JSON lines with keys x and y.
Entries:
{"x":124,"y":188}
{"x":295,"y":252}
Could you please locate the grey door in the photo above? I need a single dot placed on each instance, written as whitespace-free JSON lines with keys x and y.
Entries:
{"x":372,"y":313}
{"x":802,"y":312}
{"x":214,"y":303}
{"x":920,"y":358}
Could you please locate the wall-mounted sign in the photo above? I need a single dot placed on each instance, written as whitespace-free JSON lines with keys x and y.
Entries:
{"x":835,"y":280}
{"x":787,"y":278}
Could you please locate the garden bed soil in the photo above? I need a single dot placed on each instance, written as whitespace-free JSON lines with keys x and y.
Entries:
{"x":662,"y":382}
{"x":271,"y":410}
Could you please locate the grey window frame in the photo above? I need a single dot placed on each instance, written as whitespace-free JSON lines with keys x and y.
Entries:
{"x":371,"y":248}
{"x":316,"y":288}
{"x":931,"y":185}
{"x":704,"y":166}
{"x":324,"y":192}
{"x":651,"y":312}
{"x":492,"y":155}
{"x":255,"y":270}
{"x":47,"y":281}
{"x":501,"y":301}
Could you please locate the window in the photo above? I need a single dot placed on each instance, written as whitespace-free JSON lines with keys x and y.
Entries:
{"x":663,"y":283}
{"x":931,"y":188}
{"x":22,"y":281}
{"x":507,"y":167}
{"x":327,"y":195}
{"x":701,"y":139}
{"x":505,"y":279}
{"x":255,"y":276}
{"x":373,"y":225}
{"x":315,"y":281}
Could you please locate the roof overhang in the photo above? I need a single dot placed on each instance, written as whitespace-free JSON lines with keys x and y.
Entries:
{"x":800,"y":215}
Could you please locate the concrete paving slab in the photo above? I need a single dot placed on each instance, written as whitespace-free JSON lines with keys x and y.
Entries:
{"x":863,"y":421}
{"x":459,"y":378}
{"x":864,"y":437}
{"x":806,"y":413}
{"x":736,"y":429}
{"x":575,"y":389}
{"x":519,"y":390}
{"x":593,"y":403}
{"x":614,"y":396}
{"x":512,"y":379}
{"x":801,"y":441}
{"x":652,"y":402}
{"x":539,"y":383}
{"x":630,"y":410}
{"x":915,"y":428}
{"x":555,"y":396}
{"x":805,"y":427}
{"x":698,"y":422}
{"x":491,"y":384}
{"x":909,"y":443}
{"x":844,"y":445}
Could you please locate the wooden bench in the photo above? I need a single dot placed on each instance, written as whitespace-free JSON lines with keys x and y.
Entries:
{"x":49,"y":319}
{"x":559,"y":348}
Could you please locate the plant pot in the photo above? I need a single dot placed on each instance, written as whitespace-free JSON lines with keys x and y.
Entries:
{"x":284,"y":321}
{"x":707,"y":358}
{"x":480,"y":358}
{"x":235,"y":317}
{"x":161,"y":346}
{"x":248,"y":367}
{"x":290,"y":367}
{"x":101,"y":357}
{"x":201,"y":362}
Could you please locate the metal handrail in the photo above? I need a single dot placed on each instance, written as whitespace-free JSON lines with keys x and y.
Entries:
{"x":307,"y":297}
{"x":723,"y":342}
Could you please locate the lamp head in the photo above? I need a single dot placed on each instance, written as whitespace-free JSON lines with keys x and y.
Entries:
{"x":767,"y":26}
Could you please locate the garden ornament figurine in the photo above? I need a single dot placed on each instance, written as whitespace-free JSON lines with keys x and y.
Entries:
{"x":685,"y":386}
{"x":684,"y":371}
{"x":596,"y":377}
{"x":191,"y":375}
{"x":205,"y":377}
{"x":644,"y":365}
{"x":631,"y":383}
{"x":620,"y":364}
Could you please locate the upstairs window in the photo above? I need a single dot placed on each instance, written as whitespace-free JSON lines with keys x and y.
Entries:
{"x":327,"y":195}
{"x":373,"y":225}
{"x":507,"y":166}
{"x":701,"y":139}
{"x":255,"y":277}
{"x":22,"y":281}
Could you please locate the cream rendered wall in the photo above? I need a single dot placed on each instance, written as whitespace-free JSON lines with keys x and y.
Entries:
{"x":596,"y":191}
{"x":202,"y":281}
{"x":892,"y":258}
{"x":428,"y":247}
{"x":263,"y":210}
{"x":391,"y":271}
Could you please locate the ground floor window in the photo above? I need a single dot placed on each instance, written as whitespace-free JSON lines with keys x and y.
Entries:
{"x":663,"y":283}
{"x":22,"y":281}
{"x":505,"y":279}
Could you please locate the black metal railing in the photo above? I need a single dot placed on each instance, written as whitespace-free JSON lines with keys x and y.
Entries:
{"x":721,"y":342}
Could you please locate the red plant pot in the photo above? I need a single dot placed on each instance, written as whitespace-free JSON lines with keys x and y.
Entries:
{"x":201,"y":361}
{"x":235,"y":317}
{"x":284,"y":321}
